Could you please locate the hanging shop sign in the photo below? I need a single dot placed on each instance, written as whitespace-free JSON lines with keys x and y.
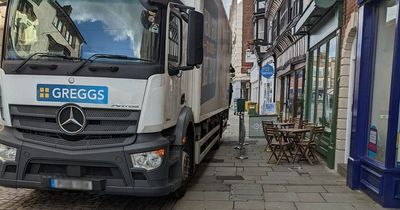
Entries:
{"x":373,"y":142}
{"x":267,"y":71}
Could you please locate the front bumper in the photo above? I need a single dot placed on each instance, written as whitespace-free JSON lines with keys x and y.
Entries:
{"x":36,"y":163}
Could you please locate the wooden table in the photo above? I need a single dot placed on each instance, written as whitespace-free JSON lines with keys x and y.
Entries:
{"x":298,"y":133}
{"x":284,"y":125}
{"x":295,"y":130}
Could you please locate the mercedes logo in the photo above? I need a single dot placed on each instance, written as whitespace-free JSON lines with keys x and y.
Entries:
{"x":71,"y":119}
{"x":71,"y":80}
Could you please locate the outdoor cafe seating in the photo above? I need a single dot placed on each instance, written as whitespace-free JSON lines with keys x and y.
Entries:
{"x":292,"y":141}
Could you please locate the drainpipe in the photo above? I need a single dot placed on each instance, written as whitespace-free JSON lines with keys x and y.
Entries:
{"x":259,"y":86}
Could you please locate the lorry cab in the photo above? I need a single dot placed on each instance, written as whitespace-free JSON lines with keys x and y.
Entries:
{"x":106,"y":96}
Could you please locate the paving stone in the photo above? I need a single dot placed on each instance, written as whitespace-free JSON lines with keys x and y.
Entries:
{"x":255,"y":164}
{"x":221,"y":164}
{"x":274,"y":188}
{"x":337,"y":189}
{"x":251,"y":177}
{"x":276,"y":197}
{"x":239,"y":181}
{"x":271,"y":181}
{"x":218,"y":205}
{"x":324,"y":206}
{"x":278,"y":187}
{"x":225,"y":169}
{"x":283,"y":174}
{"x":249,"y":204}
{"x":310,"y":197}
{"x":254,"y":173}
{"x":193,"y":196}
{"x":246,"y":197}
{"x":216,"y":196}
{"x":293,"y":179}
{"x":280,"y":206}
{"x":368,"y":206}
{"x":210,"y":187}
{"x":192,"y":205}
{"x":306,"y":188}
{"x":246,"y":187}
{"x":345,"y":197}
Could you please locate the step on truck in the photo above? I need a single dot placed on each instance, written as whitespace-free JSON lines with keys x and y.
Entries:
{"x":113,"y":97}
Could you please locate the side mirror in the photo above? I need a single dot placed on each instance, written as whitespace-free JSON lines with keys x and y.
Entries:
{"x":195,"y":38}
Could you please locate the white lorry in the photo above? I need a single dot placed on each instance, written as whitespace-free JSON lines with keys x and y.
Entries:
{"x":121,"y":96}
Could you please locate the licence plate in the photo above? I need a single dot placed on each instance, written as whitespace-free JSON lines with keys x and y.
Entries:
{"x":70,"y":184}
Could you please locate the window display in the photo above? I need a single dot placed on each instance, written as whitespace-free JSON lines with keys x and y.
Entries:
{"x":379,"y":116}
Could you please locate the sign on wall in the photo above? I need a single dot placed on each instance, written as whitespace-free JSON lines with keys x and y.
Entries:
{"x":267,"y":71}
{"x":373,"y":142}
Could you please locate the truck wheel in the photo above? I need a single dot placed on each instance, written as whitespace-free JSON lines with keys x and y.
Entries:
{"x":187,"y":170}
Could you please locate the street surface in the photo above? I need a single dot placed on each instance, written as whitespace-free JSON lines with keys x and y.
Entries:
{"x":221,"y":182}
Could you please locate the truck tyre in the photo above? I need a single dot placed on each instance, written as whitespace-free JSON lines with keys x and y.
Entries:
{"x":187,"y":170}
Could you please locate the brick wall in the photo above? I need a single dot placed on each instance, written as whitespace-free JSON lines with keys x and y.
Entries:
{"x":350,"y":6}
{"x":247,"y":38}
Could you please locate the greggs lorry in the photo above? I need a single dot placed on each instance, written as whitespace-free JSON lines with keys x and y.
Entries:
{"x":115,"y":97}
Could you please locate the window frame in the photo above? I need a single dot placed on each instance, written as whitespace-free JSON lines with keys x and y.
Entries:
{"x":179,"y":17}
{"x":391,"y":126}
{"x":317,"y":48}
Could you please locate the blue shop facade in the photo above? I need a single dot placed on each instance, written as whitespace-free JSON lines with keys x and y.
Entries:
{"x":374,"y":163}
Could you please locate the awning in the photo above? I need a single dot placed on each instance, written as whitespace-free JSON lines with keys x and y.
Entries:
{"x":314,"y":13}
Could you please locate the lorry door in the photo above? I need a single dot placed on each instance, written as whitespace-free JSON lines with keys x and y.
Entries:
{"x":174,"y":56}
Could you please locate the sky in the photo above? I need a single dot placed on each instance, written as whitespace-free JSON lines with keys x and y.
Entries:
{"x":227,"y":5}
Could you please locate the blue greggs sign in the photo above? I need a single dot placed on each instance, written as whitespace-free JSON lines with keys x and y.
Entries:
{"x":267,"y":71}
{"x":72,"y":93}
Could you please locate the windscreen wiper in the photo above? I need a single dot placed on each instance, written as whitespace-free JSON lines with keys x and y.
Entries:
{"x":94,"y":57}
{"x":48,"y":55}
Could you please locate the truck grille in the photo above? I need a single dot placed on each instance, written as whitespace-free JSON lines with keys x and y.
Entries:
{"x":104,"y":126}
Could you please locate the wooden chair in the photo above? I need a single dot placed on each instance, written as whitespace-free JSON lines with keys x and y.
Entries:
{"x":306,"y":148}
{"x":298,"y":123}
{"x":280,"y":148}
{"x":268,"y":137}
{"x":316,"y":135}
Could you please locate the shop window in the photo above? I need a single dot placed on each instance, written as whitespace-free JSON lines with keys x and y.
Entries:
{"x":324,"y":61}
{"x":382,"y":74}
{"x":320,"y":86}
{"x":330,"y":81}
{"x":300,"y":93}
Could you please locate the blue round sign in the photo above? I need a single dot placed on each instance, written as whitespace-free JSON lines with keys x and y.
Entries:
{"x":267,"y":71}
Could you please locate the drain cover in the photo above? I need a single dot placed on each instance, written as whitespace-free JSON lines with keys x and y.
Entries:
{"x":230,"y":178}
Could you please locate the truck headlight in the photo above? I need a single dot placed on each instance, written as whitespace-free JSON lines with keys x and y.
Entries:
{"x":7,"y":153}
{"x":148,"y":160}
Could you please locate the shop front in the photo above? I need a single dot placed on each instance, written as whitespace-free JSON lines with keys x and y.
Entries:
{"x":291,"y":80}
{"x":322,"y":71}
{"x":267,"y":87}
{"x":374,"y":163}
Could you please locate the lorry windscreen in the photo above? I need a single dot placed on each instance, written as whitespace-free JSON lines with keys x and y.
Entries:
{"x":82,"y":28}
